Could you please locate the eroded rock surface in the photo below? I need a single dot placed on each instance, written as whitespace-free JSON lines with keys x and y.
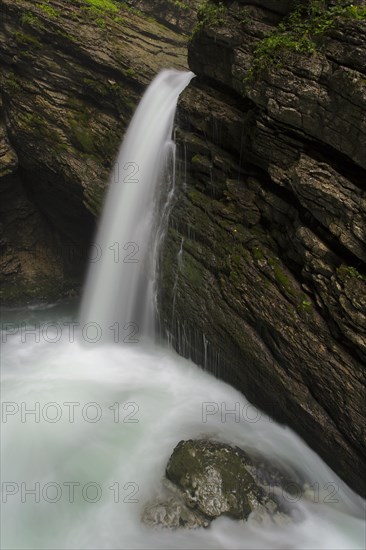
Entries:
{"x":172,"y":513}
{"x":71,"y":77}
{"x":265,"y":256}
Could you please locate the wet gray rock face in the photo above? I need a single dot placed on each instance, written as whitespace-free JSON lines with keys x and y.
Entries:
{"x":206,"y":479}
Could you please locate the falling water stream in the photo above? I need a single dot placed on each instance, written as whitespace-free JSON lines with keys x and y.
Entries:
{"x":120,"y":288}
{"x":87,"y":429}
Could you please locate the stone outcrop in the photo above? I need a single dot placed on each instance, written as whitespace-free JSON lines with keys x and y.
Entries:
{"x":206,"y":479}
{"x":263,"y":269}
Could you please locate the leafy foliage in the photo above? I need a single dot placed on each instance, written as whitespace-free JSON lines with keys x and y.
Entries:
{"x":180,"y":4}
{"x":210,"y":13}
{"x":348,"y":271}
{"x":299,"y":32}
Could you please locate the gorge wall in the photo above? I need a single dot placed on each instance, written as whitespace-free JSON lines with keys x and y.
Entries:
{"x":268,"y":235}
{"x":262,"y":273}
{"x":71,"y":76}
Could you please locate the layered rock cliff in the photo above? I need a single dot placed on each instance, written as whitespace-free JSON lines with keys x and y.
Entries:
{"x":262,"y":274}
{"x":71,"y":75}
{"x":263,"y":271}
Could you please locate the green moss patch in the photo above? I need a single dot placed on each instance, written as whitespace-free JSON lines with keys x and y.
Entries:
{"x":26,"y":40}
{"x":49,"y":10}
{"x":31,"y":20}
{"x":281,"y":278}
{"x":104,"y":5}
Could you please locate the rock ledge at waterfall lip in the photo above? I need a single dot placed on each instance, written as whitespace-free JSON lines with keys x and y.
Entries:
{"x":206,"y":479}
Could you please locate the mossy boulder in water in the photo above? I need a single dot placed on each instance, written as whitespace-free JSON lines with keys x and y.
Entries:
{"x":214,"y":479}
{"x":205,"y":479}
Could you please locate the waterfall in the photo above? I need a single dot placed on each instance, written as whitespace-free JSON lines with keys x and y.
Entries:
{"x":119,"y":292}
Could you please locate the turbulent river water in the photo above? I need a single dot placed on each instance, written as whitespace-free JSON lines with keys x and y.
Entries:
{"x":77,"y":471}
{"x":88,"y":424}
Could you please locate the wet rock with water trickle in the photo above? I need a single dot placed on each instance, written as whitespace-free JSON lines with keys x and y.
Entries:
{"x":207,"y":479}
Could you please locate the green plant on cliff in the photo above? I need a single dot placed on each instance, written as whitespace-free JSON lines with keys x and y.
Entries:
{"x":281,"y":277}
{"x":31,"y":122}
{"x":48,"y":10}
{"x":31,"y":20}
{"x":245,"y":15}
{"x":299,"y":32}
{"x":102,"y":11}
{"x":83,"y":137}
{"x":11,"y":84}
{"x":347,"y":271}
{"x":305,"y":305}
{"x":258,"y":253}
{"x":122,"y":99}
{"x":210,"y":13}
{"x":95,"y":86}
{"x":180,"y":4}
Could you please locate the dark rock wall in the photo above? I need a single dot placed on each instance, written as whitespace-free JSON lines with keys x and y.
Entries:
{"x":70,"y":81}
{"x":263,"y":271}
